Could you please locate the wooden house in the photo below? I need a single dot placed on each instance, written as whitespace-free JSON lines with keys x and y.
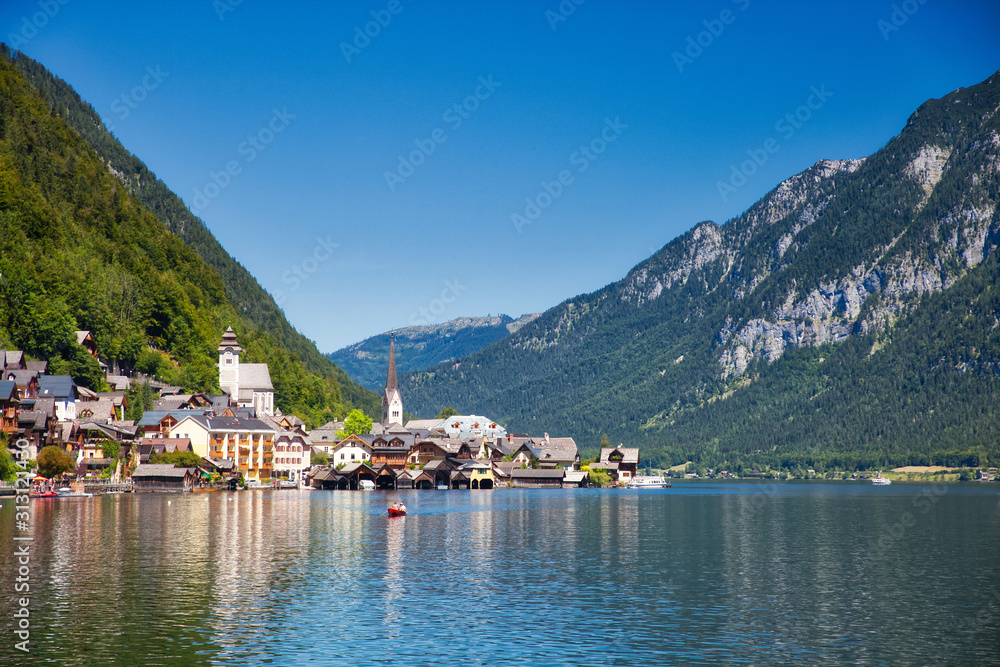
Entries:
{"x":163,"y":477}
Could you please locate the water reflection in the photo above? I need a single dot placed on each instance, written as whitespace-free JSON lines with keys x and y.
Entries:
{"x":707,"y":574}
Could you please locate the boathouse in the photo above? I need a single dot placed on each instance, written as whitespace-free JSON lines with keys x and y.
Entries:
{"x":152,"y":477}
{"x":537,"y":478}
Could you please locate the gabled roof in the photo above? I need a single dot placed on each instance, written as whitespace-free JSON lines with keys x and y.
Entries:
{"x":537,"y":473}
{"x":629,"y":454}
{"x":153,"y":417}
{"x":8,"y":391}
{"x":255,"y":377}
{"x":22,"y":378}
{"x":423,"y":424}
{"x":160,"y":470}
{"x":40,"y":366}
{"x":59,"y":387}
{"x":13,"y":359}
{"x":101,"y":410}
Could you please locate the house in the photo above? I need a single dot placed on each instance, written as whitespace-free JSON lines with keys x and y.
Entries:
{"x":292,"y":455}
{"x":248,"y":442}
{"x":349,"y":450}
{"x":10,"y":403}
{"x":391,"y":449}
{"x":248,"y":385}
{"x":622,"y":463}
{"x":13,"y":360}
{"x":150,"y":446}
{"x":424,"y":450}
{"x":465,"y":427}
{"x":537,"y":478}
{"x":480,"y":475}
{"x":163,"y":477}
{"x":157,"y":423}
{"x":26,"y":381}
{"x":556,"y":452}
{"x":63,"y":391}
{"x":85,"y":340}
{"x":576,"y":479}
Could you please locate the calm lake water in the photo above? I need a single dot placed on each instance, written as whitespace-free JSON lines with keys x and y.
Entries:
{"x":737,"y":573}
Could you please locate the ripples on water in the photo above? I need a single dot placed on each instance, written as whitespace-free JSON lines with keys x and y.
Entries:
{"x":696,"y":574}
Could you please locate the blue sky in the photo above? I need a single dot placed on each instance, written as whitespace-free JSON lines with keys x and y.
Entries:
{"x":285,"y":131}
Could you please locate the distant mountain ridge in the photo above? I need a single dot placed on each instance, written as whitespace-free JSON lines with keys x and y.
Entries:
{"x":767,"y":339}
{"x":422,"y":346}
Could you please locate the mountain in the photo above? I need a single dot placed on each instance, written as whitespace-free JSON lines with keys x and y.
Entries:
{"x":849,"y":318}
{"x":421,"y":347}
{"x":92,"y":240}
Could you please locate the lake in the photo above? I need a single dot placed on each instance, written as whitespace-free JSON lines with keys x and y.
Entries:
{"x":698,"y":574}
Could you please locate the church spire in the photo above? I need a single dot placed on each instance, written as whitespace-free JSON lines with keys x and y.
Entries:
{"x":390,"y":378}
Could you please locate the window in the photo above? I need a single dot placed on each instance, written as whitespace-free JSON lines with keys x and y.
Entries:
{"x":229,"y":361}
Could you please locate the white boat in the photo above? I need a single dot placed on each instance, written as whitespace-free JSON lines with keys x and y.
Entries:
{"x":366,"y":485}
{"x":66,"y":492}
{"x":881,"y":481}
{"x":648,"y":482}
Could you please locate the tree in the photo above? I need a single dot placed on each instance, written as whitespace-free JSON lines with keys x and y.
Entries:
{"x":604,"y":441}
{"x":8,"y":469}
{"x":53,"y":462}
{"x":319,"y":458}
{"x":110,"y":449}
{"x":357,"y":423}
{"x":446,"y":412}
{"x":178,"y":459}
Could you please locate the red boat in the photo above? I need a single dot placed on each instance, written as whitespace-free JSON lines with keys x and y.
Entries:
{"x":43,"y":494}
{"x":397,"y":512}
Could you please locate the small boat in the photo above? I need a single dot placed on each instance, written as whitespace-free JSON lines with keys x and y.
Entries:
{"x":648,"y":482}
{"x":396,"y":512}
{"x":443,"y":487}
{"x":66,"y":492}
{"x":43,"y":494}
{"x":881,"y":481}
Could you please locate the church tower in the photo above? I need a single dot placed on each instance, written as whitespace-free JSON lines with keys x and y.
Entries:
{"x":392,"y":402}
{"x":229,"y":365}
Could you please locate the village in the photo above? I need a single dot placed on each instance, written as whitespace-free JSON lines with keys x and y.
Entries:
{"x":237,"y":439}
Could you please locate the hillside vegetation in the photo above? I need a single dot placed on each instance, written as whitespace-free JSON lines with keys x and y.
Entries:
{"x":849,"y":318}
{"x":78,"y":250}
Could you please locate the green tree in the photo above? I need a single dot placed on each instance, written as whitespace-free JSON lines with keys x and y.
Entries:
{"x":178,"y":459}
{"x":357,"y":423}
{"x":53,"y":462}
{"x":8,"y":469}
{"x":319,"y":458}
{"x":604,"y":441}
{"x":110,"y":449}
{"x":446,"y":412}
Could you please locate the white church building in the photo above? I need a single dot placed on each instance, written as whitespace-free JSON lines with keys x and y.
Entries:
{"x":248,"y":385}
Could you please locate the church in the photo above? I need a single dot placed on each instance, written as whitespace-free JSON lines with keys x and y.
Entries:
{"x":392,"y":401}
{"x":248,"y":385}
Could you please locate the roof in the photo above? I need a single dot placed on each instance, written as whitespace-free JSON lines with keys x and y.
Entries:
{"x":13,"y":359}
{"x":153,"y":417}
{"x":22,"y":378}
{"x":255,"y":376}
{"x":629,"y":454}
{"x":59,"y":387}
{"x":101,"y":410}
{"x":423,"y":424}
{"x":537,"y":473}
{"x":119,"y":381}
{"x":160,"y":470}
{"x":8,"y":390}
{"x":575,"y":476}
{"x":82,"y":336}
{"x":229,"y":342}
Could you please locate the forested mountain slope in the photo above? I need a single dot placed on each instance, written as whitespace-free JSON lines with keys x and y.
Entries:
{"x":423,"y":346}
{"x":849,"y":313}
{"x":78,"y":250}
